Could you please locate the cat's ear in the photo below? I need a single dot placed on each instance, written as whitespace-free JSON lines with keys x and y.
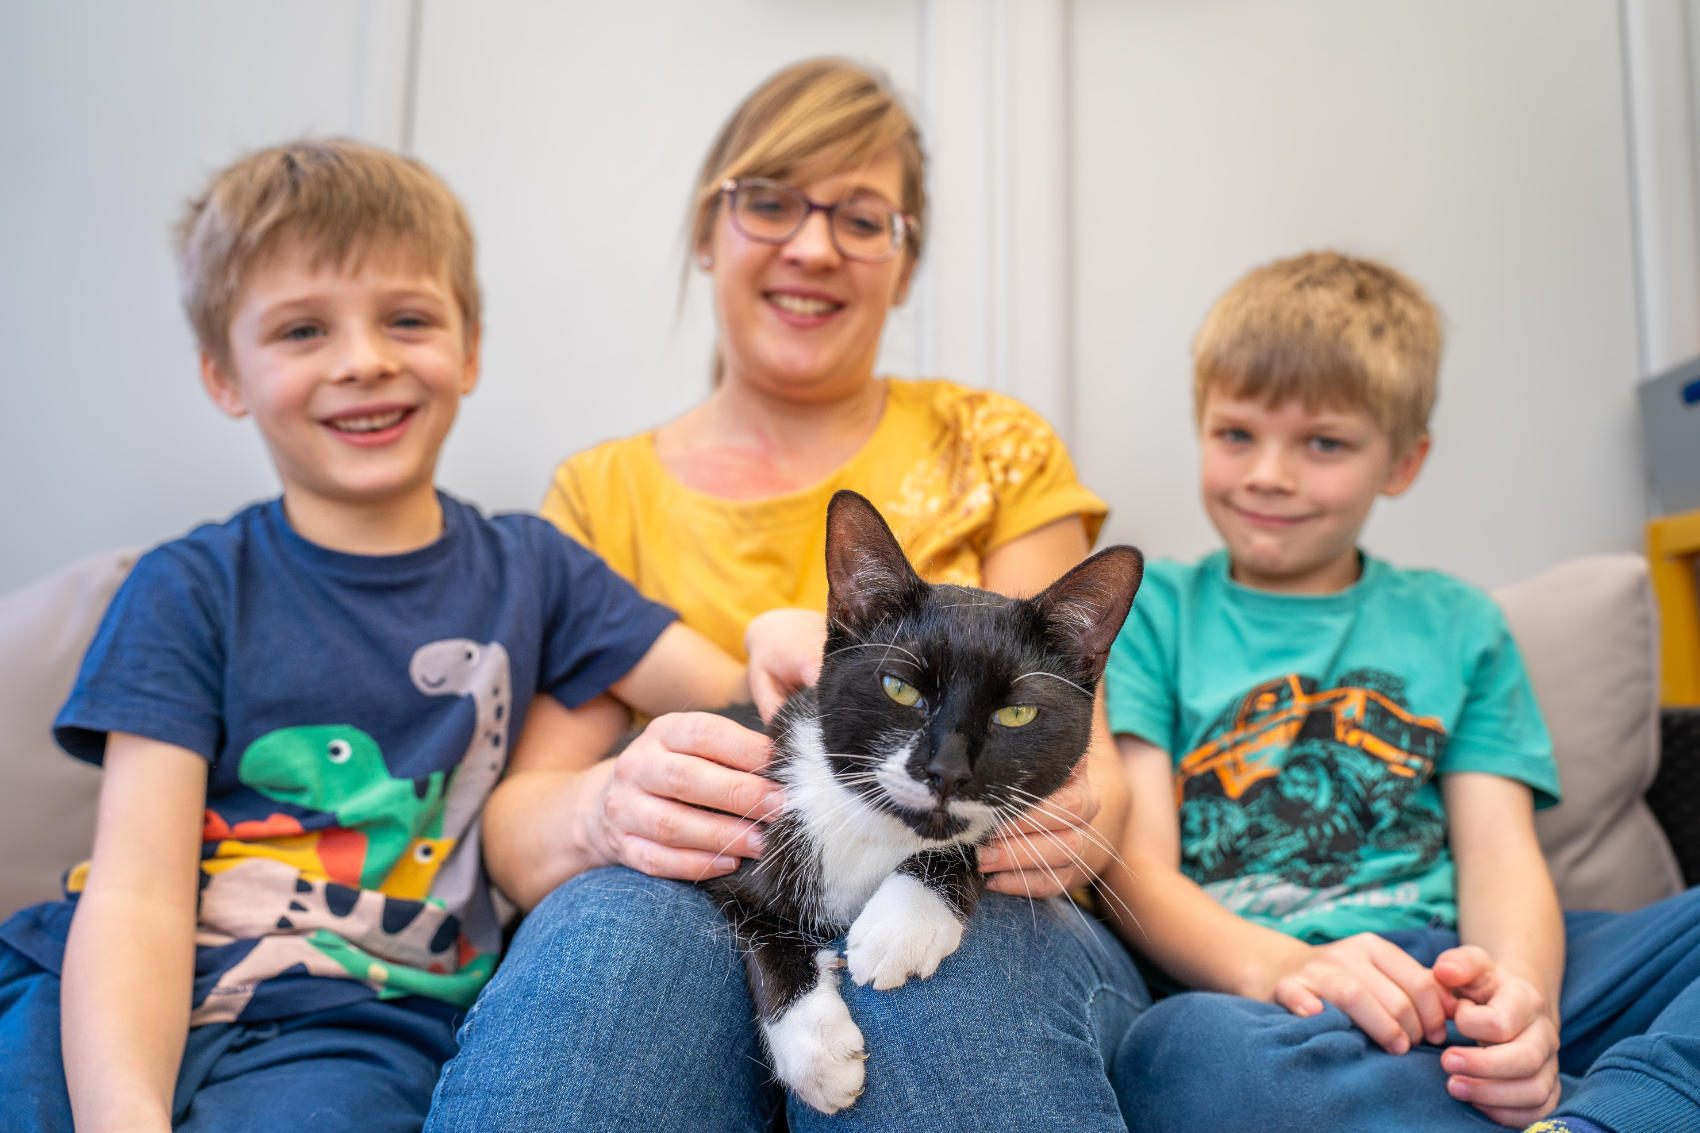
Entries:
{"x":1085,"y":608}
{"x":868,"y":579}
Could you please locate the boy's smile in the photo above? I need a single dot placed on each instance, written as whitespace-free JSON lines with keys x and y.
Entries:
{"x":353,"y":379}
{"x":1288,"y":489}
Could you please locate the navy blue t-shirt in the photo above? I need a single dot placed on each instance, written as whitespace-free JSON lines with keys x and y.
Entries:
{"x":355,"y":712}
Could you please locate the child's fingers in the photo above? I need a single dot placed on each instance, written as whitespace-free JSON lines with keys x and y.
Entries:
{"x":1467,"y":971}
{"x":1526,"y":1057}
{"x":1362,"y":1002}
{"x":1297,"y":998}
{"x":1428,"y":1002}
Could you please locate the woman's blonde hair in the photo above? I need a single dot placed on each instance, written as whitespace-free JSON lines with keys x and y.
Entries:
{"x":342,"y":200}
{"x":813,"y":118}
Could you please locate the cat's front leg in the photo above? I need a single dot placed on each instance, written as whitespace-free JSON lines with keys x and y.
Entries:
{"x":815,"y":1048}
{"x":914,"y":919}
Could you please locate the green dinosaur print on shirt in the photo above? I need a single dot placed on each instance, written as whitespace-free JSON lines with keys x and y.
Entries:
{"x":337,"y":768}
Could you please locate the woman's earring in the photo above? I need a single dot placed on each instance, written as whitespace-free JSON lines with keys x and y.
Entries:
{"x":706,"y":260}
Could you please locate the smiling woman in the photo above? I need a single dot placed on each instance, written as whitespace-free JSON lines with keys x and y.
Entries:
{"x":809,"y":215}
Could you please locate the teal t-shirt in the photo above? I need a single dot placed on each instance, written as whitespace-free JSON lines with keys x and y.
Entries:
{"x":1307,"y":734}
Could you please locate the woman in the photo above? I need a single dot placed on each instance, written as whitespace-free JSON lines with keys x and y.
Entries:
{"x":809,"y":217}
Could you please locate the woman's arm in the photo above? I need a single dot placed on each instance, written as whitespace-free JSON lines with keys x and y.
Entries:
{"x":130,"y":958}
{"x":1509,"y":970}
{"x":682,"y":800}
{"x":1066,"y":842}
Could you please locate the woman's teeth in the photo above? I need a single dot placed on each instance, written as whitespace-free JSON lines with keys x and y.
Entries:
{"x":368,"y":424}
{"x":800,"y":305}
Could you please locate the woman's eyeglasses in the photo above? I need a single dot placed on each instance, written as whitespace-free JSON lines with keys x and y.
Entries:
{"x":863,"y":228}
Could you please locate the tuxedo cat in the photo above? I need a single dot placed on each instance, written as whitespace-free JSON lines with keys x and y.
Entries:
{"x":941,"y":712}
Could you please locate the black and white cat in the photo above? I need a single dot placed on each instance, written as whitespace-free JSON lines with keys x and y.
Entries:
{"x":941,"y":712}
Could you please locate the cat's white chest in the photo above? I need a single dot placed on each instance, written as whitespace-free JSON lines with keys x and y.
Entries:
{"x":857,"y":846}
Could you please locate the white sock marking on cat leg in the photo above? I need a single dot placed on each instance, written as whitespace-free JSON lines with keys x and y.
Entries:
{"x":905,"y":930}
{"x":816,"y":1047}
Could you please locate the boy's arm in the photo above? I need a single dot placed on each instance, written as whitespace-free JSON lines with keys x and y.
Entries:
{"x":1166,"y":915}
{"x":1508,"y":972}
{"x":672,"y":804}
{"x":130,"y":957}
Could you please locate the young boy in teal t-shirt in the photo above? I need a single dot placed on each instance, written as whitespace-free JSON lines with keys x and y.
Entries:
{"x":1335,"y":765}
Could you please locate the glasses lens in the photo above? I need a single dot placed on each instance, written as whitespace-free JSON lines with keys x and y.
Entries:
{"x":866,"y":228}
{"x":767,"y":211}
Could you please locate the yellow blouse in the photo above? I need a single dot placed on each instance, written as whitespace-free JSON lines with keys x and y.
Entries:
{"x":955,"y":471}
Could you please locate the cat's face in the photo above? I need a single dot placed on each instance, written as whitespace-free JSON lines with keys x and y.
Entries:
{"x":952,"y":707}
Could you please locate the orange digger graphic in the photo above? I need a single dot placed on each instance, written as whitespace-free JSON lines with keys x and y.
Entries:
{"x":1276,"y":713}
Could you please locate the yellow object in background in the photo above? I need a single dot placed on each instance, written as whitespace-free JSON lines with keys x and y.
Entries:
{"x":1673,"y":554}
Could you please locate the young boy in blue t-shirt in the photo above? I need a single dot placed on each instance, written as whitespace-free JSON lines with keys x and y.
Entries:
{"x":301,"y":711}
{"x":1335,"y":764}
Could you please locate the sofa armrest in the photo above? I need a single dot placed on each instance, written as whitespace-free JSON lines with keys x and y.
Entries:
{"x":1675,"y":793}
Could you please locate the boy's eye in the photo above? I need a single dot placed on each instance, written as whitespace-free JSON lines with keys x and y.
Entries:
{"x":411,"y":322}
{"x":301,"y":332}
{"x":1015,"y":715}
{"x":900,"y":690}
{"x":1328,"y":444}
{"x":1233,"y":436}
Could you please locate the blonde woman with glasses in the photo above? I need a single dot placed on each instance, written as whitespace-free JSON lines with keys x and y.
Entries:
{"x":622,"y":1003}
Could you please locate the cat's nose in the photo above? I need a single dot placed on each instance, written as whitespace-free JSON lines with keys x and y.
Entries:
{"x":949,"y":769}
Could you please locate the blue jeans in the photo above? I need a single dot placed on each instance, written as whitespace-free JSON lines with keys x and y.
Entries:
{"x":1629,"y":1053}
{"x":622,"y":1006}
{"x":367,"y":1066}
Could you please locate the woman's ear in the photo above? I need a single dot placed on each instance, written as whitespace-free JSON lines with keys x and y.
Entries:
{"x":221,"y":386}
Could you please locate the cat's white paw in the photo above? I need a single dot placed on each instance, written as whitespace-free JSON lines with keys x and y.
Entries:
{"x":816,"y":1047}
{"x":904,"y":930}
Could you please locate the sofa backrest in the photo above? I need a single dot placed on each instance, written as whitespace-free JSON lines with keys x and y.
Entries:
{"x":1588,"y":630}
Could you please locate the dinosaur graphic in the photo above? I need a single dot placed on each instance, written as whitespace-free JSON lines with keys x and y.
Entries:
{"x":458,"y":666}
{"x":338,"y":769}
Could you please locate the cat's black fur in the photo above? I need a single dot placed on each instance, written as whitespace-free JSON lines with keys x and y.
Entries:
{"x":883,"y":845}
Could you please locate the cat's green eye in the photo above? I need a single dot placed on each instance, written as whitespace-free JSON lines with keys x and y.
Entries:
{"x":1015,"y":715}
{"x":901,"y":691}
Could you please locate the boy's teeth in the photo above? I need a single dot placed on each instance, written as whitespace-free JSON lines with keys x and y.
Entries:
{"x":368,"y":424}
{"x":798,"y":305}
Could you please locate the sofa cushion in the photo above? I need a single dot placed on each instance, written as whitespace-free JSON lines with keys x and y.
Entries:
{"x":1588,"y":632}
{"x":48,"y":803}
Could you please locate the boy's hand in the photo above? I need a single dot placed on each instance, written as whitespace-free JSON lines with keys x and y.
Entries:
{"x":1513,"y":1075}
{"x":784,"y":647}
{"x":1390,"y":996}
{"x":1041,"y":854}
{"x":667,"y":803}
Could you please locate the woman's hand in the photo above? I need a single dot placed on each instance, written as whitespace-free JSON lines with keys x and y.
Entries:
{"x":1512,"y":1076}
{"x":683,"y":800}
{"x":1043,"y":854}
{"x":1390,"y":996}
{"x":784,"y":647}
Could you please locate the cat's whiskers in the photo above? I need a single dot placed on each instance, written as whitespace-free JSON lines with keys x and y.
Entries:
{"x":1054,"y":677}
{"x":889,"y":646}
{"x":1040,"y":806}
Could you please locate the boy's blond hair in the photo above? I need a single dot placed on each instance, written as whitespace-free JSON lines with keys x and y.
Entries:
{"x":812,"y":119}
{"x":1328,"y":330}
{"x":341,"y":200}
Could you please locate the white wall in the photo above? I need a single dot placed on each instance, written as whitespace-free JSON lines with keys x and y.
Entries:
{"x":111,"y":114}
{"x":1101,"y":170}
{"x":1478,"y":146}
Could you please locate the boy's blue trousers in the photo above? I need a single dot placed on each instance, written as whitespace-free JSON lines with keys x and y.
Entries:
{"x":367,"y":1066}
{"x":1629,"y":1054}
